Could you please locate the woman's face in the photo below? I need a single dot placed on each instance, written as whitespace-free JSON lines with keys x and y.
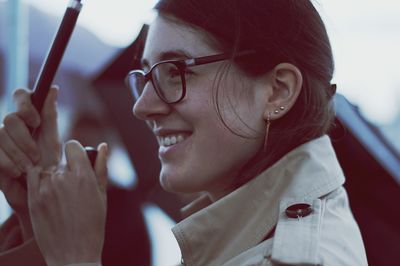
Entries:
{"x":207,"y":155}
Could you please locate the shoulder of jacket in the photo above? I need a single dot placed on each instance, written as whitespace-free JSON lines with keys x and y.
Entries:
{"x":294,"y":241}
{"x":297,"y":233}
{"x":308,"y":230}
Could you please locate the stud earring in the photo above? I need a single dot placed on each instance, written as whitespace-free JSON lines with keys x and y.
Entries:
{"x":281,"y":108}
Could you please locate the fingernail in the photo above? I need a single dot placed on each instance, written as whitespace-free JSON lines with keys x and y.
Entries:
{"x":104,"y":146}
{"x":57,"y":89}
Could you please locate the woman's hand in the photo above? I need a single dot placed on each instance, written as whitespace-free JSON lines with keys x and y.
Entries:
{"x":68,"y":207}
{"x":19,"y":151}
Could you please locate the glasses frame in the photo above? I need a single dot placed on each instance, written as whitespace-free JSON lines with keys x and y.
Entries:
{"x":181,"y":65}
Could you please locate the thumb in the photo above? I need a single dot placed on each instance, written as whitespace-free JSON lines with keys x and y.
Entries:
{"x":100,"y":166}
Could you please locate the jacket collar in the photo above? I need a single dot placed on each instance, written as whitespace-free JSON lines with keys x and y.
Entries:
{"x":215,"y":233}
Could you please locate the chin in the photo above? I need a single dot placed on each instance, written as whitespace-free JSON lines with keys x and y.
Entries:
{"x":165,"y":184}
{"x":178,"y":182}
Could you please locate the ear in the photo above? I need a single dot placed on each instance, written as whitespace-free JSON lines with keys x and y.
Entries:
{"x":286,"y":82}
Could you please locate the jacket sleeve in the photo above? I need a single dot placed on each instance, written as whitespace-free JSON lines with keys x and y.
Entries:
{"x":15,"y":252}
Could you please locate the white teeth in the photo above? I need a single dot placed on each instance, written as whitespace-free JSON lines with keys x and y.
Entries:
{"x":171,"y":140}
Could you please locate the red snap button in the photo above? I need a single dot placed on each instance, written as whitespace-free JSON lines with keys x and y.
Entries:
{"x":298,"y":210}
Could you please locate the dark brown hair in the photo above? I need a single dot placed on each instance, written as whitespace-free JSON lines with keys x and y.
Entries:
{"x":278,"y":31}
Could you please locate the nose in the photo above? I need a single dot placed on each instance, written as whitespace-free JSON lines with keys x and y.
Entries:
{"x":149,"y":106}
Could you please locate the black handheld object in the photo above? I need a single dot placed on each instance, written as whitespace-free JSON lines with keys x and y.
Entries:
{"x":52,"y":62}
{"x":92,"y":154}
{"x":55,"y":54}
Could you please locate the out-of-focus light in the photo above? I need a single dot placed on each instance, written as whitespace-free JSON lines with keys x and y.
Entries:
{"x":365,"y":36}
{"x":5,"y":210}
{"x":165,"y":249}
{"x":116,"y":22}
{"x":120,"y":168}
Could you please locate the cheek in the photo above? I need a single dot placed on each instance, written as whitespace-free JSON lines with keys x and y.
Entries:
{"x":220,"y":153}
{"x":241,"y":115}
{"x":229,"y":154}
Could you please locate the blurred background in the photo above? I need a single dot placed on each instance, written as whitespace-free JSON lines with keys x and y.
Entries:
{"x":365,"y":36}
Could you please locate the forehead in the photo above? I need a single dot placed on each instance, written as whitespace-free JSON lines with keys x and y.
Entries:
{"x":165,"y":36}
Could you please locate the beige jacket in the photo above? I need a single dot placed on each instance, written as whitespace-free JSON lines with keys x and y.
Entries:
{"x":232,"y":231}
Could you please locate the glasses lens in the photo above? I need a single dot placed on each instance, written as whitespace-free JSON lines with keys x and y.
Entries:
{"x":167,"y":80}
{"x":136,"y":82}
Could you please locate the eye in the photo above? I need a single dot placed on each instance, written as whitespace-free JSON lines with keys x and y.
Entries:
{"x":173,"y":72}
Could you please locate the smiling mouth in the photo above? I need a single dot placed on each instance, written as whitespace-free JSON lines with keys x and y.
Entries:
{"x":172,"y":139}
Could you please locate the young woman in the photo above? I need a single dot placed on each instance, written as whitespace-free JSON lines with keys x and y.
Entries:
{"x":238,"y":95}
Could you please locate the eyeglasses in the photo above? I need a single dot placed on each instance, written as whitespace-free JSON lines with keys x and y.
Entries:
{"x":168,"y":77}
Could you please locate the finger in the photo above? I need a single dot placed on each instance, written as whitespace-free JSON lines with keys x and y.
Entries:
{"x":101,"y":166}
{"x":7,"y":166}
{"x":13,"y":152}
{"x":77,"y":159}
{"x":25,"y":108}
{"x":48,"y":137}
{"x":33,"y":182}
{"x":19,"y":133}
{"x":49,"y":114}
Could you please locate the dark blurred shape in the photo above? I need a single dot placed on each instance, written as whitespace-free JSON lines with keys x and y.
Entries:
{"x":54,"y":57}
{"x":142,"y":148}
{"x":134,"y":133}
{"x":89,"y":129}
{"x":372,"y":169}
{"x":118,"y":101}
{"x":127,"y":241}
{"x":124,"y":61}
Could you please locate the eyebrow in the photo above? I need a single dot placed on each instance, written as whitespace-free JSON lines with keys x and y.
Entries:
{"x":168,"y":55}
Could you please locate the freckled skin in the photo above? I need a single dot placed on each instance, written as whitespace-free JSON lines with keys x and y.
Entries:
{"x":211,"y":157}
